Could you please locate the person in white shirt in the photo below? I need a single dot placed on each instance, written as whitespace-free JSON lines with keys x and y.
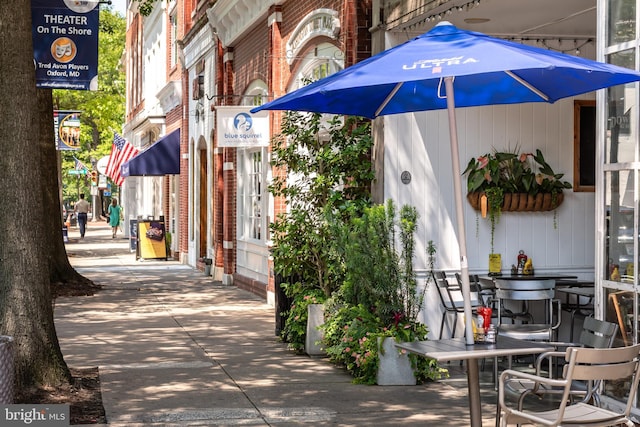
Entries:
{"x":81,"y":209}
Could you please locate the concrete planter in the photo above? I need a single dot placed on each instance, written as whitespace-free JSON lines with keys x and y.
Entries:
{"x":394,"y":367}
{"x":315,"y":319}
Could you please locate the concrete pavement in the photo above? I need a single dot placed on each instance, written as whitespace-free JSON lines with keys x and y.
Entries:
{"x":175,"y":348}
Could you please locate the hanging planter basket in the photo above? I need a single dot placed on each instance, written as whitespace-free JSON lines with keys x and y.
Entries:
{"x":521,"y":202}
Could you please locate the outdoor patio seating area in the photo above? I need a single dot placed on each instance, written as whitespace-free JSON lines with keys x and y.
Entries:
{"x":563,"y":303}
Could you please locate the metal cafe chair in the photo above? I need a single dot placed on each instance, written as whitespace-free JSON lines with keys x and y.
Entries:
{"x":528,"y":291}
{"x":595,"y":334}
{"x":451,"y":299}
{"x":583,"y":364}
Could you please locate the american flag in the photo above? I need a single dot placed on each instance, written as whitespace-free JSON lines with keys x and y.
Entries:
{"x":79,"y":166}
{"x":121,"y":151}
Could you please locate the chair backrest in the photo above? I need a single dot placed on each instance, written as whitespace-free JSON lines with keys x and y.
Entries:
{"x":451,"y":293}
{"x":525,"y":290}
{"x":440,"y":278}
{"x":474,"y":282}
{"x":597,"y":333}
{"x":602,"y":364}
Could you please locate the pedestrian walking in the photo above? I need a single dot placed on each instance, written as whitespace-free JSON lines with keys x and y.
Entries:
{"x":81,"y":209}
{"x":115,"y":211}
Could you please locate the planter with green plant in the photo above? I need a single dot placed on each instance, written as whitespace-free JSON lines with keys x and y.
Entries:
{"x":513,"y":182}
{"x":524,"y":188}
{"x":379,"y":297}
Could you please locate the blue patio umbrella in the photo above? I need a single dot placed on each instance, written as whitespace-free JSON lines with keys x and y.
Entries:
{"x":427,"y":72}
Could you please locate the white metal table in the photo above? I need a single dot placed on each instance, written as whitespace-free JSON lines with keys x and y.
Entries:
{"x":457,"y":349}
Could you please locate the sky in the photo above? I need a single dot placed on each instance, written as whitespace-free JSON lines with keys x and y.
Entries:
{"x":119,"y":6}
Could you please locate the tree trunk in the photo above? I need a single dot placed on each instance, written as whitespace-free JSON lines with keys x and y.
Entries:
{"x":60,"y":270}
{"x":26,"y":312}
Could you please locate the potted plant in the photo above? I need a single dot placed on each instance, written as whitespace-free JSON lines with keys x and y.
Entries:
{"x":379,"y":298}
{"x":511,"y":181}
{"x":527,"y":175}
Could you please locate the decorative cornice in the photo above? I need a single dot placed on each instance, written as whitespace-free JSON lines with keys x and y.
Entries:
{"x":198,"y":45}
{"x":320,"y":22}
{"x":230,"y":19}
{"x":170,"y":96}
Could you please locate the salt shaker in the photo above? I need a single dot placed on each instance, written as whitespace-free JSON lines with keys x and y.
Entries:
{"x":491,"y":334}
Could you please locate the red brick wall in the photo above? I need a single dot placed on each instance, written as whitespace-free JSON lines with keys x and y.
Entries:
{"x":218,"y":214}
{"x":230,"y":208}
{"x":176,"y":119}
{"x":251,"y":59}
{"x":260,"y":54}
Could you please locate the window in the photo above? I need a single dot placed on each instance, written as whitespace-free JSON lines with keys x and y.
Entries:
{"x":173,"y":20}
{"x":251,"y":195}
{"x":584,"y":146}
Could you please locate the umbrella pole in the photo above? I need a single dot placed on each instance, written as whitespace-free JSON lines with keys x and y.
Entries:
{"x":457,"y":187}
{"x":473,"y":375}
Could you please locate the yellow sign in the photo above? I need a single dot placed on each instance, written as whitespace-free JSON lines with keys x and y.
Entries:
{"x":151,"y":238}
{"x":495,"y":263}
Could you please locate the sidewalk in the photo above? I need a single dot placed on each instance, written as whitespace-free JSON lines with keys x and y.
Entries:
{"x":175,"y":348}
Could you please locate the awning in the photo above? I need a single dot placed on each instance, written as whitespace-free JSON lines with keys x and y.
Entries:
{"x":162,"y":158}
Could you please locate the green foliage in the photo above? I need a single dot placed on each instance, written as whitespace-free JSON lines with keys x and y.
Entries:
{"x":353,"y":337}
{"x":379,"y":297}
{"x":146,"y":7}
{"x":295,"y":328}
{"x":495,"y":197}
{"x":379,"y":275}
{"x":509,"y":172}
{"x":328,"y":175}
{"x":102,"y":110}
{"x":514,"y":173}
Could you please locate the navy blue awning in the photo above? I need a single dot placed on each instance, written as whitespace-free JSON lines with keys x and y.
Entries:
{"x":161,"y":158}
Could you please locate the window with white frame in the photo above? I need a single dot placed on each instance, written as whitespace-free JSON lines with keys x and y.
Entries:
{"x":319,"y":62}
{"x":252,"y":179}
{"x":173,"y":20}
{"x":251,"y":194}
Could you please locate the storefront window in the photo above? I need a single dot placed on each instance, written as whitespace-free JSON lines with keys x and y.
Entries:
{"x":621,"y":135}
{"x":620,"y":224}
{"x":251,"y":195}
{"x":618,"y":287}
{"x":622,"y":21}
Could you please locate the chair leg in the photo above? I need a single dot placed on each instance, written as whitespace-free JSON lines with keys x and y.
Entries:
{"x":444,"y":316}
{"x":455,"y":324}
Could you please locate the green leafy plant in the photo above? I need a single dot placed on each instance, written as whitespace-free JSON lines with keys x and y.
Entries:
{"x":495,"y":197}
{"x":324,"y":176}
{"x":325,"y":170}
{"x":502,"y":172}
{"x":379,"y":297}
{"x":295,"y":328}
{"x":513,"y":173}
{"x":353,"y":336}
{"x":547,"y":180}
{"x":431,"y":254}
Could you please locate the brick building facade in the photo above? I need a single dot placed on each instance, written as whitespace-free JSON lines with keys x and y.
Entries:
{"x":245,"y":52}
{"x":286,"y":43}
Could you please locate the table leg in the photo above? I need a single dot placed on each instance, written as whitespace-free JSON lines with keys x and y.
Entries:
{"x":473,"y":381}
